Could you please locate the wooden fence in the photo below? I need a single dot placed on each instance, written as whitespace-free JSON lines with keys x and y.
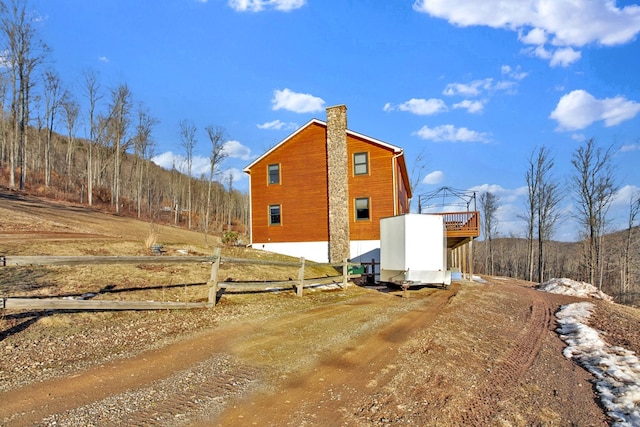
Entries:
{"x":215,"y":287}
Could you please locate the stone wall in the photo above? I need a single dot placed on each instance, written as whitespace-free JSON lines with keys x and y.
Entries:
{"x":338,"y":185}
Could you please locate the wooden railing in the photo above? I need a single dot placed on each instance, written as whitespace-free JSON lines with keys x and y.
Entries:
{"x":462,"y":224}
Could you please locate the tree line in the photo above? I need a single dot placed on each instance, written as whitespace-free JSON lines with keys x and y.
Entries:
{"x":610,"y":261}
{"x":110,"y":165}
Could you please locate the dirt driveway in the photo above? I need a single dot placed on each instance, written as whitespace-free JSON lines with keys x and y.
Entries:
{"x":472,"y":355}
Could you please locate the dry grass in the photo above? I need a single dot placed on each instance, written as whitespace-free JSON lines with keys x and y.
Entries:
{"x":152,"y":238}
{"x":39,"y":227}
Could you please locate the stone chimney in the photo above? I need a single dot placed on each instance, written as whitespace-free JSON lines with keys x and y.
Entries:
{"x":338,"y":185}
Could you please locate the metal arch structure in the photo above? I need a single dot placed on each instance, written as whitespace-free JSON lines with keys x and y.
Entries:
{"x":447,"y":196}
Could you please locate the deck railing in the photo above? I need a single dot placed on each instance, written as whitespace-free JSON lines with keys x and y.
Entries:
{"x":462,"y":224}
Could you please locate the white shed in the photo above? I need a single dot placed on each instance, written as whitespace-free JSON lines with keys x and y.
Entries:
{"x":413,"y":250}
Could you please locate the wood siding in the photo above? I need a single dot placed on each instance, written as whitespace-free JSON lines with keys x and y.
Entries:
{"x":302,"y":192}
{"x":402,"y":189}
{"x":377,"y":185}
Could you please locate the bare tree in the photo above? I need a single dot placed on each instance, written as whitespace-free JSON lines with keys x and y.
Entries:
{"x":71,"y":110}
{"x":143,"y":148}
{"x":530,"y":213}
{"x":489,"y":206}
{"x":544,"y":198}
{"x":188,"y":142}
{"x":625,"y":273}
{"x":420,"y":164}
{"x":92,"y":93}
{"x":230,"y":205}
{"x":217,"y":138}
{"x":594,"y":186}
{"x":4,"y":138}
{"x":119,"y":124}
{"x":52,"y":93}
{"x":23,"y":53}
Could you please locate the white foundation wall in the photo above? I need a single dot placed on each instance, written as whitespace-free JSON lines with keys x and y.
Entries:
{"x":313,"y":251}
{"x":361,"y":250}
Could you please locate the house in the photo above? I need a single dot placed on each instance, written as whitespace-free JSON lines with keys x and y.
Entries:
{"x":320,"y":193}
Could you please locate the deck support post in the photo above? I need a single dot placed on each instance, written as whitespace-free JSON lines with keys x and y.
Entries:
{"x":464,"y":260}
{"x":471,"y":260}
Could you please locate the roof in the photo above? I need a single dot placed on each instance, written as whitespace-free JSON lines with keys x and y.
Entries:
{"x":394,"y":148}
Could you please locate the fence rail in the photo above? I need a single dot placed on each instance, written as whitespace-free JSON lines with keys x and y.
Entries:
{"x":6,"y":261}
{"x":73,"y":304}
{"x":215,"y":288}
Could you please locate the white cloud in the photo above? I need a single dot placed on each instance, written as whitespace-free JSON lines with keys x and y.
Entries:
{"x":236,"y":150}
{"x":564,"y":57}
{"x":471,"y":106}
{"x":236,"y":174}
{"x":630,"y":147}
{"x":165,"y":160}
{"x":421,"y":107}
{"x":506,"y":195}
{"x":297,"y":102}
{"x":572,"y":23}
{"x":516,"y":74}
{"x":261,"y":5}
{"x":451,"y":134}
{"x":624,"y":195}
{"x":103,"y":59}
{"x":278,"y":125}
{"x":466,"y":89}
{"x":434,"y":177}
{"x":560,"y":23}
{"x":579,"y":109}
{"x":169,"y":160}
{"x":477,"y":87}
{"x":537,"y":36}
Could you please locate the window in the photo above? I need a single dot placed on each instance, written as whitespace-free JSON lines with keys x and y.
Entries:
{"x":360,"y":164}
{"x":274,"y":214}
{"x":274,"y":174}
{"x":362,"y":209}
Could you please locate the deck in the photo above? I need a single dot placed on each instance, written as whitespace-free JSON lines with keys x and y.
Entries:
{"x":461,"y":227}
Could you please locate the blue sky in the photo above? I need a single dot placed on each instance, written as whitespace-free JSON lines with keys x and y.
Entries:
{"x":474,"y":86}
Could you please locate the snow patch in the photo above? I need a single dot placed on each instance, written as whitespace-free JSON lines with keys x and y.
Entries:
{"x":571,"y":287}
{"x":616,"y":370}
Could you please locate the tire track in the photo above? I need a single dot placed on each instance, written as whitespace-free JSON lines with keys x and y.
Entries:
{"x":515,"y":363}
{"x":180,"y":398}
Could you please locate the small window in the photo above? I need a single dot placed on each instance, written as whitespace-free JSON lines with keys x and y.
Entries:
{"x":274,"y":174}
{"x":362,"y":209}
{"x":274,"y":215}
{"x":360,"y":164}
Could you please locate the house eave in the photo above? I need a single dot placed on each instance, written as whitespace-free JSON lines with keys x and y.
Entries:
{"x":391,"y":147}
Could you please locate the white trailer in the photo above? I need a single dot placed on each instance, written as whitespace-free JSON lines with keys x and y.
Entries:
{"x":413,"y":250}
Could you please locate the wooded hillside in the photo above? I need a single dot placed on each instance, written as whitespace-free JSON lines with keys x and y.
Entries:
{"x":108,"y":163}
{"x":620,"y":267}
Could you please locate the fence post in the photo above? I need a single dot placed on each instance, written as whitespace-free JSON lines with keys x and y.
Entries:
{"x":213,"y":279}
{"x":345,"y":274}
{"x":373,"y":271}
{"x":300,"y":278}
